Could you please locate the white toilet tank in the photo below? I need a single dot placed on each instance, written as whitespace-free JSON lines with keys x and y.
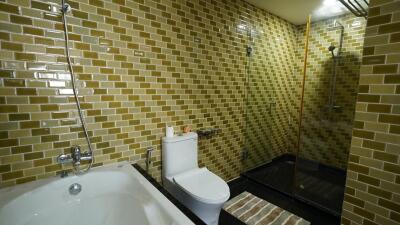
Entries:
{"x":179,"y":154}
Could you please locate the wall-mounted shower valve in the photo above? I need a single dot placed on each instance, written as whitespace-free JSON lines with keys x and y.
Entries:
{"x":76,"y":156}
{"x":245,"y":154}
{"x":249,"y":50}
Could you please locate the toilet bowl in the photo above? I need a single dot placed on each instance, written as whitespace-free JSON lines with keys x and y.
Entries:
{"x":203,"y":192}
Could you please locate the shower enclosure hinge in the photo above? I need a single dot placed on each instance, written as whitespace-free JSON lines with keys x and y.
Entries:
{"x":245,"y":154}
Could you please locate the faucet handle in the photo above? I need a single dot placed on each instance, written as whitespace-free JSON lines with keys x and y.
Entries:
{"x":76,"y":154}
{"x":62,"y":159}
{"x":75,"y":149}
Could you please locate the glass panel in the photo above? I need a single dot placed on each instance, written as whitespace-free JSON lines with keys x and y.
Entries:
{"x":269,"y":103}
{"x":334,"y":56}
{"x":258,"y":103}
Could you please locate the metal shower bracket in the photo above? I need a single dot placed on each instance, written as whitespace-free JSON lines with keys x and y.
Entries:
{"x":358,"y":7}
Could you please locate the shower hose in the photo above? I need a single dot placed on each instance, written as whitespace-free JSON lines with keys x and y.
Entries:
{"x":64,"y":10}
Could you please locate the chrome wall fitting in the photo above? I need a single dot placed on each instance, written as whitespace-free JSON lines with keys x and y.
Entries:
{"x":75,"y":157}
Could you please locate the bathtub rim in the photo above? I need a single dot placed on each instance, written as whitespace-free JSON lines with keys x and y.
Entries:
{"x":8,"y":194}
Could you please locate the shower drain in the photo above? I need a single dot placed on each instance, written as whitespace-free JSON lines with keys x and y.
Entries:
{"x":75,"y":189}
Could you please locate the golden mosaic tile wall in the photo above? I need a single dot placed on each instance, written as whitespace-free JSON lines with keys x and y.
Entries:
{"x":140,"y":65}
{"x":270,"y":99}
{"x":373,"y":177}
{"x":326,"y":130}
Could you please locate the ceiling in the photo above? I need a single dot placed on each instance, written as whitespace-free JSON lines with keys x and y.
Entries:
{"x":297,"y":11}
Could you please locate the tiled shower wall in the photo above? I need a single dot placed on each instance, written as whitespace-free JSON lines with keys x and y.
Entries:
{"x":140,"y":65}
{"x":327,"y":129}
{"x":274,"y":92}
{"x":373,"y":176}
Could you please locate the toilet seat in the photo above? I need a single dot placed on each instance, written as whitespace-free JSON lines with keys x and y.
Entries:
{"x":203,"y":185}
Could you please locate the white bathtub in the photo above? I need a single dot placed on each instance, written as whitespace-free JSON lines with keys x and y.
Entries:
{"x":111,"y":195}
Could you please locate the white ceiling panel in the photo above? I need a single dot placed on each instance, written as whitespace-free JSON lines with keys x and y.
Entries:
{"x":297,"y":11}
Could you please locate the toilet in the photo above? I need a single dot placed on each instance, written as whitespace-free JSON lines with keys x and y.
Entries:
{"x":200,"y":190}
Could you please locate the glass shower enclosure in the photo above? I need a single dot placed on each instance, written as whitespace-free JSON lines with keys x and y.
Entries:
{"x":298,"y":143}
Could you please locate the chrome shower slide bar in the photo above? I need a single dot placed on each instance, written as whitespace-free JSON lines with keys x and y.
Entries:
{"x":358,"y":7}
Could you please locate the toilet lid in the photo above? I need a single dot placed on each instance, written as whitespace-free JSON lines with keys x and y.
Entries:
{"x":203,"y":185}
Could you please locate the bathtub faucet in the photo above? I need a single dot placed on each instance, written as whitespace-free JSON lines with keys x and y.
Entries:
{"x":75,"y":157}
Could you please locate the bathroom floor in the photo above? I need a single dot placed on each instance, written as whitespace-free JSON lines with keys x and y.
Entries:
{"x":310,"y":213}
{"x":317,"y":184}
{"x":241,"y":184}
